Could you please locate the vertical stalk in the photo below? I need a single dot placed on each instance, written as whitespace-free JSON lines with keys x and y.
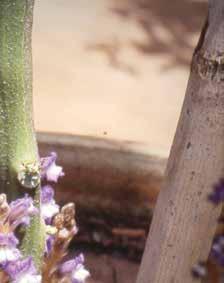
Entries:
{"x":184,"y":221}
{"x":17,"y":138}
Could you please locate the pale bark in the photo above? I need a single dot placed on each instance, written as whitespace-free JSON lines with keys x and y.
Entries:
{"x":184,"y":221}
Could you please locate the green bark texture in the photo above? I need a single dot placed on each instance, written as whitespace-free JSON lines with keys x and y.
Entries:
{"x":17,"y":137}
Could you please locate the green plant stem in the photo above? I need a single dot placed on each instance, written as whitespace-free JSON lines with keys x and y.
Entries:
{"x":17,"y":137}
{"x":34,"y":239}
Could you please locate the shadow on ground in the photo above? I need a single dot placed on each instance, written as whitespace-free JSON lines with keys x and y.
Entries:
{"x":170,"y":29}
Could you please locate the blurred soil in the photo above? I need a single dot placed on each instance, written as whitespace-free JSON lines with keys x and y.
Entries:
{"x":107,"y":269}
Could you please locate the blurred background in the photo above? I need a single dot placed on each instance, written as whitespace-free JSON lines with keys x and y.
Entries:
{"x":109,"y":81}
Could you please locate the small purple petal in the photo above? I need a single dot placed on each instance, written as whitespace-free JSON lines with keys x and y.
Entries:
{"x":20,"y":211}
{"x":8,"y":240}
{"x":8,"y":250}
{"x":75,"y":269}
{"x":50,"y":170}
{"x":199,"y":270}
{"x":48,"y":206}
{"x":217,"y":251}
{"x":46,"y":162}
{"x":8,"y":254}
{"x":70,"y":265}
{"x":22,"y":269}
{"x":47,"y":194}
{"x":53,"y":173}
{"x":48,"y":210}
{"x":49,"y":243}
{"x":80,"y":274}
{"x":217,"y":195}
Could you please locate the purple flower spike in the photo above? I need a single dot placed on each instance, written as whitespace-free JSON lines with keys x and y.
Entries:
{"x":8,"y":250}
{"x":217,"y":195}
{"x":50,"y":170}
{"x":22,"y":271}
{"x":21,"y":210}
{"x":48,"y":206}
{"x":75,"y":269}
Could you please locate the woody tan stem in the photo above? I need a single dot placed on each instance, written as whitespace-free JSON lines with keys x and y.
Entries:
{"x":184,"y":221}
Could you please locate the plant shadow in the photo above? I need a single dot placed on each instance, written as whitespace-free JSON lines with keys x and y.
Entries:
{"x":170,"y":30}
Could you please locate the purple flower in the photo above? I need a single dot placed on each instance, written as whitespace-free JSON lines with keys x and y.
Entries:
{"x":22,"y":271}
{"x":8,"y":240}
{"x":75,"y":269}
{"x":217,"y":195}
{"x":47,"y":194}
{"x":48,"y":206}
{"x":217,"y":251}
{"x":199,"y":270}
{"x":8,"y":250}
{"x":49,"y":243}
{"x":21,"y":210}
{"x":49,"y":169}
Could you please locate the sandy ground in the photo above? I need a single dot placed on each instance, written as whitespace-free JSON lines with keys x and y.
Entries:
{"x":114,"y":68}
